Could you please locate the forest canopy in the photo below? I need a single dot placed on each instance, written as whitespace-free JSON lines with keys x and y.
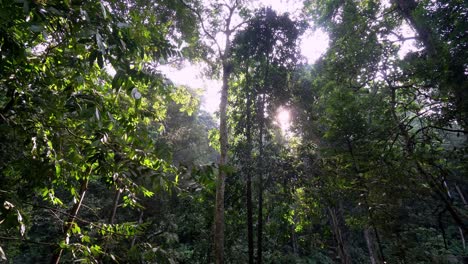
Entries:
{"x":104,"y":159}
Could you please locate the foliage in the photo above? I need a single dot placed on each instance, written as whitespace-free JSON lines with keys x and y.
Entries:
{"x":78,"y":125}
{"x":104,"y":160}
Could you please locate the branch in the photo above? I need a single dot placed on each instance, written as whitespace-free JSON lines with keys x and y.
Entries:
{"x":202,"y":25}
{"x":240,"y":24}
{"x":440,"y":128}
{"x":78,"y":219}
{"x":27,"y":241}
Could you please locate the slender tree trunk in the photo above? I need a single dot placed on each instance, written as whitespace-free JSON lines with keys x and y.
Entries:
{"x":261,"y":169}
{"x":462,"y":197}
{"x":248,"y":157}
{"x":368,"y":232}
{"x":140,"y":221}
{"x":260,"y":180}
{"x":379,"y":245}
{"x":371,"y":246}
{"x":115,"y":205}
{"x":341,"y":246}
{"x":294,"y":237}
{"x":72,"y":216}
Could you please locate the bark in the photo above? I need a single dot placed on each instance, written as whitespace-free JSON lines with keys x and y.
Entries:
{"x":371,"y":246}
{"x":223,"y":141}
{"x":220,"y":184}
{"x":114,"y":207}
{"x":248,"y":156}
{"x":377,"y":240}
{"x":261,"y":169}
{"x":425,"y":35}
{"x":294,"y":238}
{"x":69,"y":223}
{"x":218,"y":237}
{"x":462,"y":197}
{"x":337,"y":232}
{"x":260,"y":181}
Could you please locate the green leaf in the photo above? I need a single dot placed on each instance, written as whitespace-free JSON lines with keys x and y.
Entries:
{"x":85,"y":239}
{"x":75,"y":228}
{"x":58,"y":169}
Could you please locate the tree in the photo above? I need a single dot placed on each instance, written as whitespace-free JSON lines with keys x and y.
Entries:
{"x":371,"y":108}
{"x":80,"y":126}
{"x":265,"y":52}
{"x":223,"y":22}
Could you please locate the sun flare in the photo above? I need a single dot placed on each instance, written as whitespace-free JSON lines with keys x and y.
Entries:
{"x":283,"y":118}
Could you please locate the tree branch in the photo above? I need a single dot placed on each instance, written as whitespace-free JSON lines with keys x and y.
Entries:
{"x":202,"y":23}
{"x":27,"y":241}
{"x":439,"y":128}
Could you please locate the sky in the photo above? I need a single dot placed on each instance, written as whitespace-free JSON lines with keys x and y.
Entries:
{"x":312,"y":45}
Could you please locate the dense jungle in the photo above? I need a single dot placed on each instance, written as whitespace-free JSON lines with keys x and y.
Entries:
{"x":359,"y":156}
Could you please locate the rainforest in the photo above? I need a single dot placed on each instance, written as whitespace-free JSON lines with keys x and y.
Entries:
{"x":359,"y":155}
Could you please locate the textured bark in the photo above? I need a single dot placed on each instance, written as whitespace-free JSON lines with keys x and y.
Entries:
{"x":220,"y":183}
{"x":223,"y":141}
{"x":371,"y":246}
{"x":338,"y":234}
{"x":294,"y":238}
{"x":462,"y":197}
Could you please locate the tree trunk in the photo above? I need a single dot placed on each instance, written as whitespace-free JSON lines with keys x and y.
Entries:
{"x":371,"y":246}
{"x":294,"y":237}
{"x":140,"y":221}
{"x":260,"y":181}
{"x":248,"y":157}
{"x":114,"y":207}
{"x":223,"y":141}
{"x":462,"y":197}
{"x":341,"y":246}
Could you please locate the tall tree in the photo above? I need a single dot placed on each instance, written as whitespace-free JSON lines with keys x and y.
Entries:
{"x":375,"y":108}
{"x":222,"y":21}
{"x":265,"y":52}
